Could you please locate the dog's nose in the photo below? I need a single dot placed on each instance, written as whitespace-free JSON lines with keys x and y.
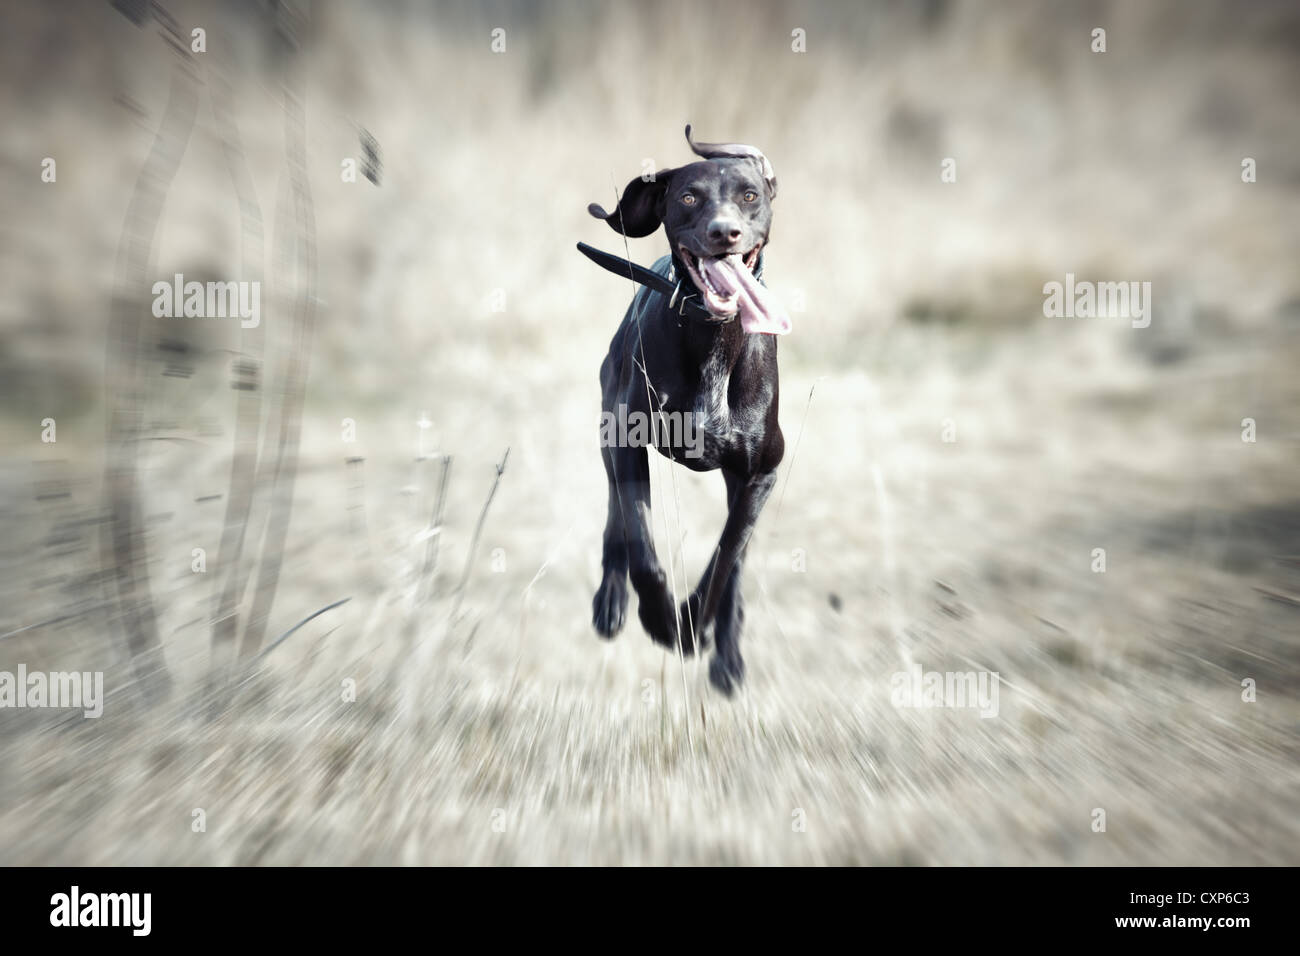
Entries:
{"x":724,"y":230}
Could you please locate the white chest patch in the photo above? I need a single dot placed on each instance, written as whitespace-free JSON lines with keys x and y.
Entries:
{"x":712,"y":414}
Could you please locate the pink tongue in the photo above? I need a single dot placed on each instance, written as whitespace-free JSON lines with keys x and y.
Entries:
{"x":759,"y":310}
{"x":722,"y":273}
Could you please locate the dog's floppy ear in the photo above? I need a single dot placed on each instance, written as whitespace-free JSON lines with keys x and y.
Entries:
{"x":641,"y":209}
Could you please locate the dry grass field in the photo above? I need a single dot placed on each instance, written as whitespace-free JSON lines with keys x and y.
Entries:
{"x":954,"y":457}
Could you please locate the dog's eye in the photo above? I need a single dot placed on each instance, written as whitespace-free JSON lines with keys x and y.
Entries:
{"x":750,"y":195}
{"x":688,"y":199}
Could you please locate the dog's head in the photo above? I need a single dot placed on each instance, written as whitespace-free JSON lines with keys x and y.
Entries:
{"x":717,"y":213}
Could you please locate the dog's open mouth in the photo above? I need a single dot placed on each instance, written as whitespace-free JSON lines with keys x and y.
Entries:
{"x":728,"y":286}
{"x":717,"y":277}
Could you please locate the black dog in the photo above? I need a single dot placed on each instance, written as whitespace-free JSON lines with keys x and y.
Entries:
{"x":685,"y":356}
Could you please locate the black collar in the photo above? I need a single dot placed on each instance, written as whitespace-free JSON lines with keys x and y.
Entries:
{"x":683,"y":297}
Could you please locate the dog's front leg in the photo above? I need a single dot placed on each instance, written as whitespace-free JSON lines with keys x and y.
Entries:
{"x":609,"y":607}
{"x":722,"y":579}
{"x":631,"y":495}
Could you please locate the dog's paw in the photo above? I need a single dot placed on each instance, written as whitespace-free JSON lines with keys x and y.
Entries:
{"x":727,"y":673}
{"x":609,"y":607}
{"x":655,"y":606}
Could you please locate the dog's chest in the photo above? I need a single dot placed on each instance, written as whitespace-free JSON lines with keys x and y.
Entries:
{"x":711,"y":410}
{"x":708,"y":430}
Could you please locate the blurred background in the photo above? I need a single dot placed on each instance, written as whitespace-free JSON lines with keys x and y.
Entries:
{"x":180,"y":494}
